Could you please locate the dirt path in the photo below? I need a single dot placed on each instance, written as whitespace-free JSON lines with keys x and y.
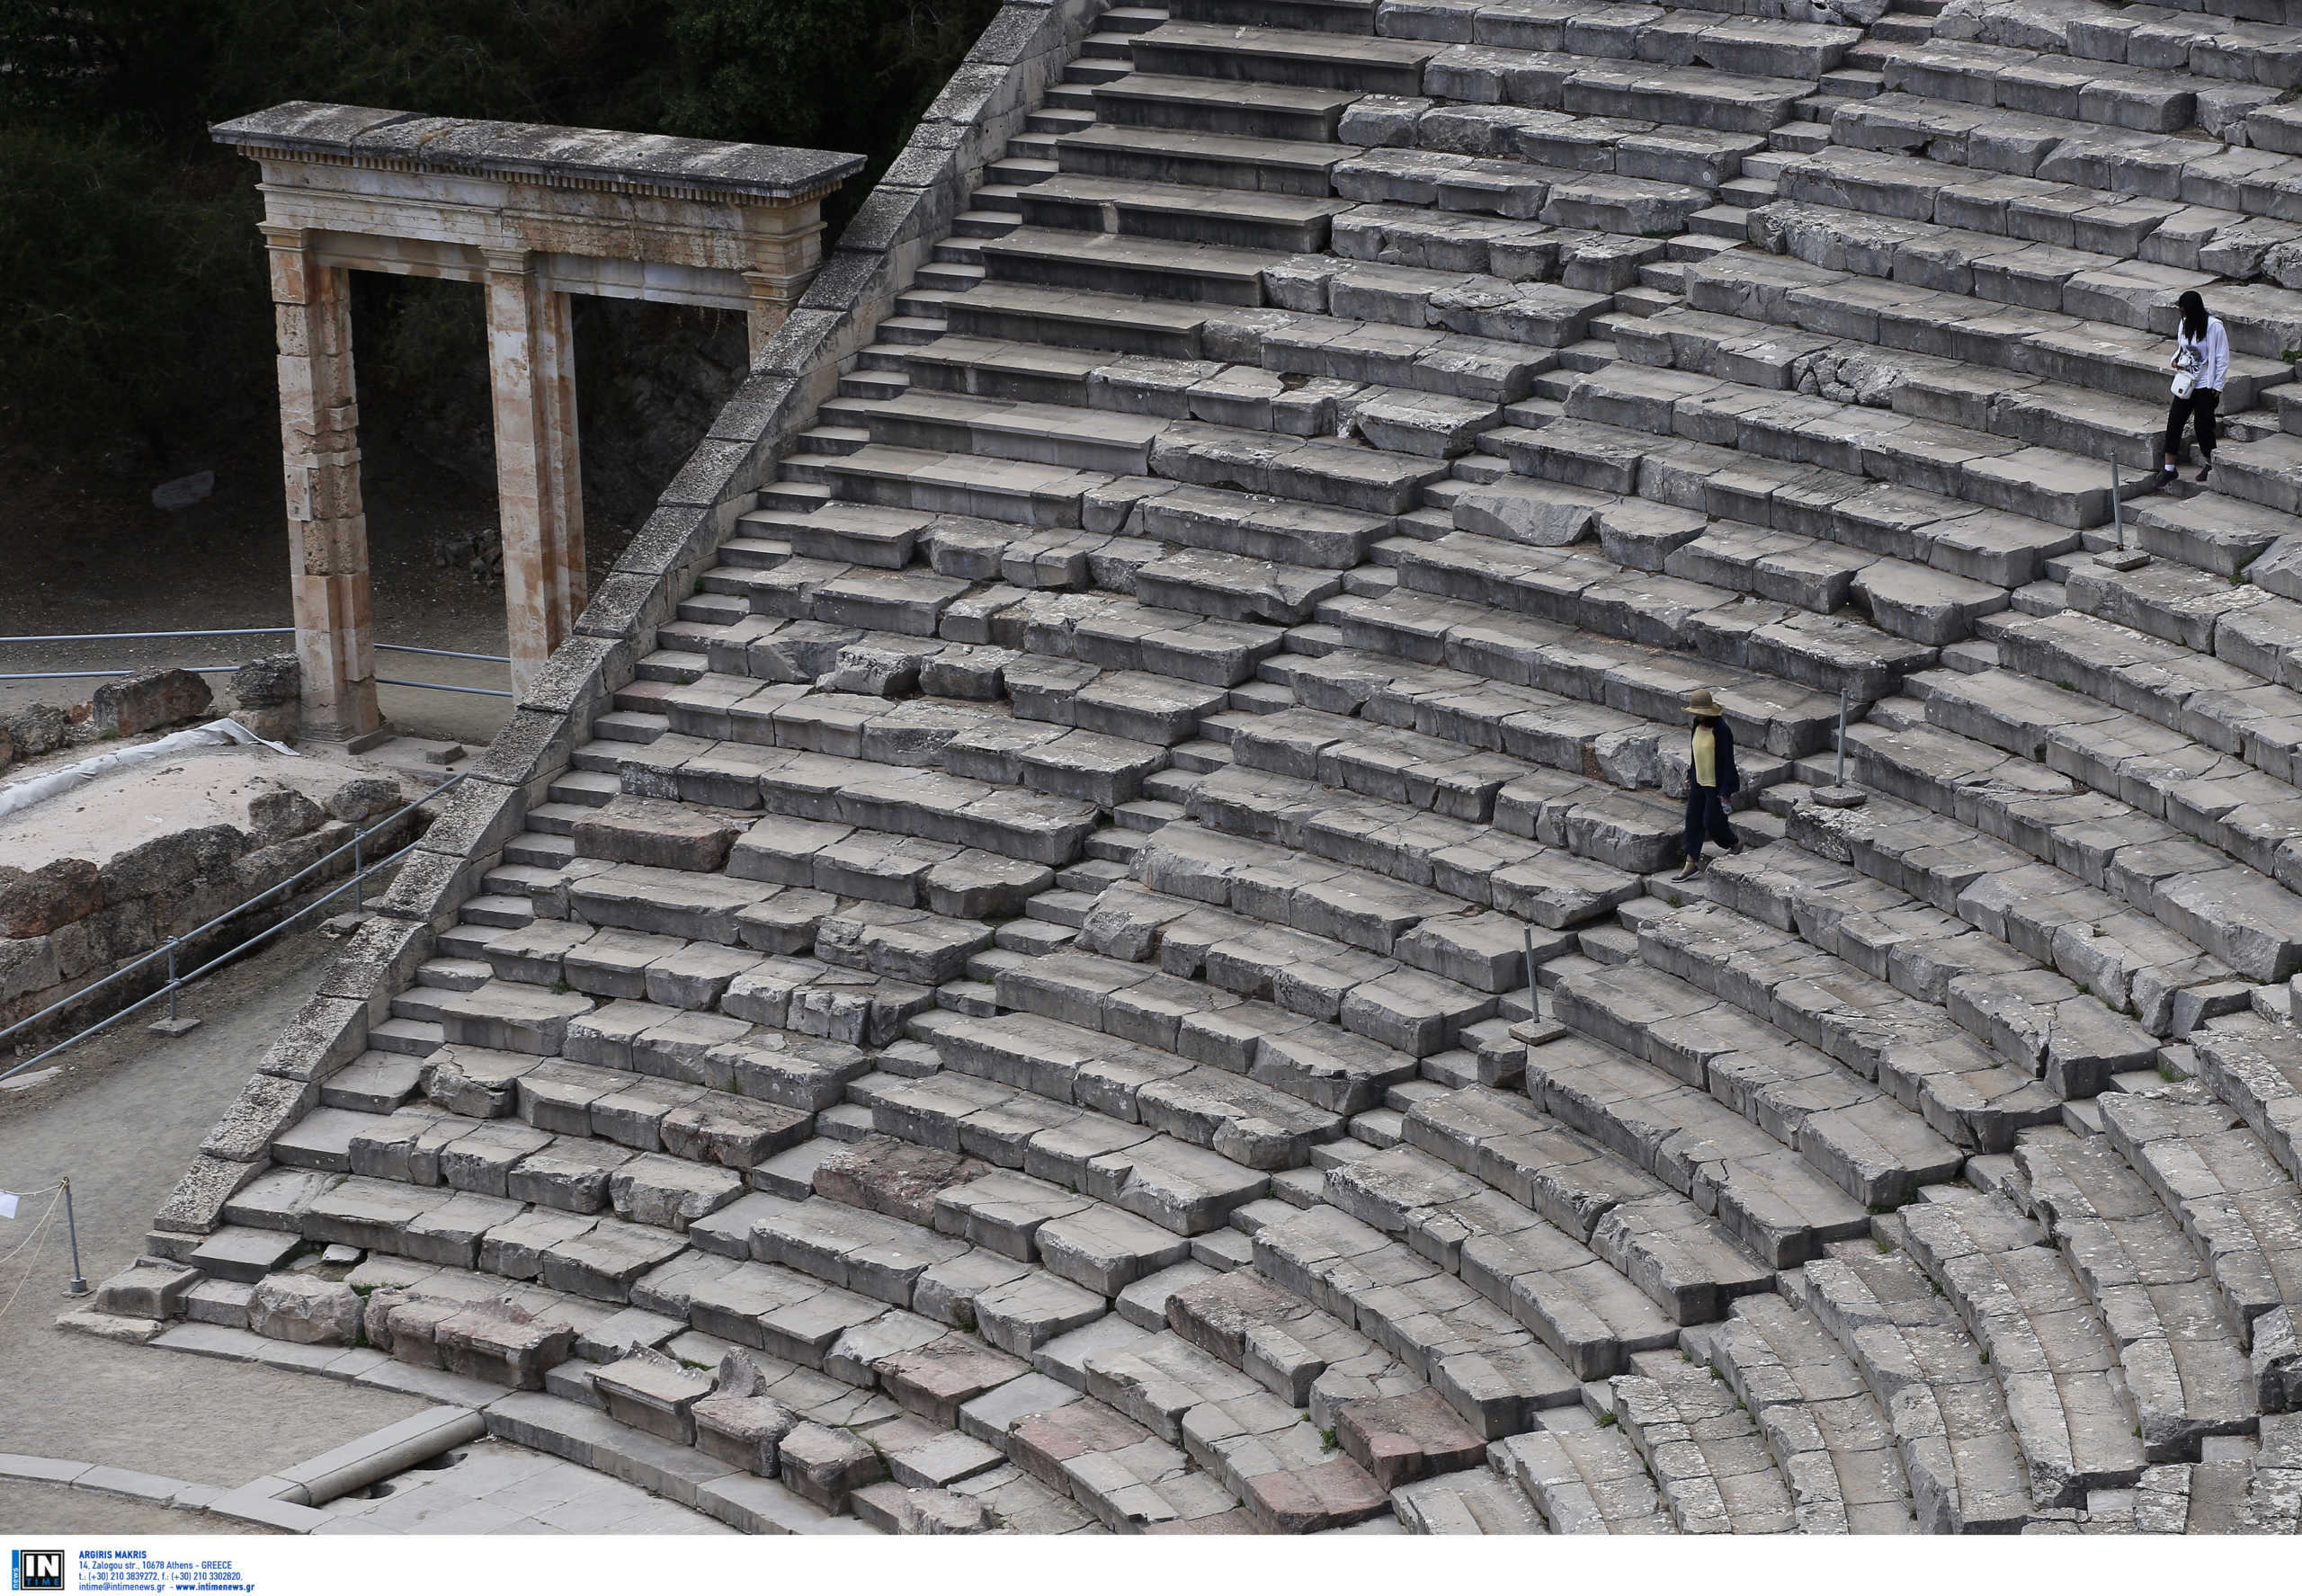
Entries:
{"x":123,"y":1120}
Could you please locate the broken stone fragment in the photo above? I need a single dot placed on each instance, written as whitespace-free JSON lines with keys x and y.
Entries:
{"x":303,"y":1308}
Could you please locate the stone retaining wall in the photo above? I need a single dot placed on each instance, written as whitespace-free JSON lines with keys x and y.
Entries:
{"x":71,"y":921}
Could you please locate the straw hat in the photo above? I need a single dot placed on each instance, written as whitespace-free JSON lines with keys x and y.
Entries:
{"x":1700,"y":702}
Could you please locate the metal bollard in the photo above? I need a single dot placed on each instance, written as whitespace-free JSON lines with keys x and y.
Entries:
{"x":1840,"y":778}
{"x":79,"y":1286}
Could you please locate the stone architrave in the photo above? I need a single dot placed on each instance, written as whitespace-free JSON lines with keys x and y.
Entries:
{"x":533,"y":215}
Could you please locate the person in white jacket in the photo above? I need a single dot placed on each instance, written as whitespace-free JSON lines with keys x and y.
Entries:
{"x":2201,"y":354}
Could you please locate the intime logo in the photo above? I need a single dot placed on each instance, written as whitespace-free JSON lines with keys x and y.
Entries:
{"x":35,"y":1571}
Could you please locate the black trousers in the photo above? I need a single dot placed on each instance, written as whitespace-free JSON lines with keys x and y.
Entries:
{"x":1706,"y":813}
{"x":2199,"y":407}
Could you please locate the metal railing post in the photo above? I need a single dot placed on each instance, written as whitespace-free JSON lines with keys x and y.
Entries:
{"x":79,"y":1286}
{"x":2118,"y":511}
{"x":359,"y":884}
{"x":1840,"y":778}
{"x":172,"y":978}
{"x":1534,"y":997}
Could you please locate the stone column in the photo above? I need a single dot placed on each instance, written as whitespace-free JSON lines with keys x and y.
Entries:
{"x":328,"y":530}
{"x":539,"y":487}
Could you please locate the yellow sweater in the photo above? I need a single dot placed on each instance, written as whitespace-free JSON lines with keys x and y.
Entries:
{"x":1705,"y":756}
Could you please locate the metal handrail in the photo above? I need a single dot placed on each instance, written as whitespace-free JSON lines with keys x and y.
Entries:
{"x":236,"y":631}
{"x":360,"y":872}
{"x":239,"y":631}
{"x":75,"y":675}
{"x":495,"y":659}
{"x":486,"y":693}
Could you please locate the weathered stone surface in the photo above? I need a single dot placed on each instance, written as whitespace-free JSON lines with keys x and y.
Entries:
{"x":148,"y":701}
{"x":305,"y":1310}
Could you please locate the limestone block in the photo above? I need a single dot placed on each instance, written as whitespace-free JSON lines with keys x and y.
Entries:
{"x":306,"y":1309}
{"x":651,"y":1391}
{"x":743,"y":1432}
{"x":149,"y":1288}
{"x":148,"y":701}
{"x":824,"y":1465}
{"x":503,"y":1345}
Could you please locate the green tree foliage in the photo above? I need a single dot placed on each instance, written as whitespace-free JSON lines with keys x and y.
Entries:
{"x":133,"y":296}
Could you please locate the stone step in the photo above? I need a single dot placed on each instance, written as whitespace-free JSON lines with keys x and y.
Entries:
{"x":1451,"y":181}
{"x":2236,"y":1205}
{"x":1209,"y":105}
{"x":1113,"y":262}
{"x":1572,"y":864}
{"x":2053,"y":1356}
{"x":932,"y":480}
{"x":805,"y":785}
{"x":1223,"y":161}
{"x":2231,"y":911}
{"x":1822,"y":1428}
{"x":1066,"y":1153}
{"x":1077,"y":320}
{"x":1727,"y":560}
{"x":1945,"y":303}
{"x":1439,"y":775}
{"x":1585,"y":1479}
{"x":856,"y":1356}
{"x":1914,"y":1051}
{"x":1542,"y":314}
{"x":849,"y":534}
{"x":1714,"y":1470}
{"x":2230,"y":702}
{"x":1468,"y":1501}
{"x":2068,"y":411}
{"x":1512,"y":1203}
{"x":2102,"y":94}
{"x":1405,"y":1014}
{"x":1931,"y":1379}
{"x":2043,"y":1023}
{"x":1031,"y":647}
{"x":1281,"y":55}
{"x":1127,"y":1066}
{"x":1493,"y":1371}
{"x":1824,"y":652}
{"x":2252,"y":1064}
{"x":1966,"y":253}
{"x":1992,"y":472}
{"x":2249,"y":626}
{"x":1002,"y":429}
{"x":1123,"y":204}
{"x":1767,"y":1196}
{"x":1316,"y":16}
{"x":1528,"y":1167}
{"x":1438,"y":667}
{"x":2183,"y":1365}
{"x":1878,"y":1152}
{"x":1691,"y":37}
{"x":2123,"y":957}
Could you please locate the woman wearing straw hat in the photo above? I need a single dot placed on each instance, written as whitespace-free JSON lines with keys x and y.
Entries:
{"x":1711,"y":780}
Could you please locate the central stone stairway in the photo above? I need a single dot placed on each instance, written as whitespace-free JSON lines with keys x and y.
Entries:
{"x":1116,"y":966}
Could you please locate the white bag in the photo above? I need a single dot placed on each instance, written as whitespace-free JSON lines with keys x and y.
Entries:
{"x":2185,"y":384}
